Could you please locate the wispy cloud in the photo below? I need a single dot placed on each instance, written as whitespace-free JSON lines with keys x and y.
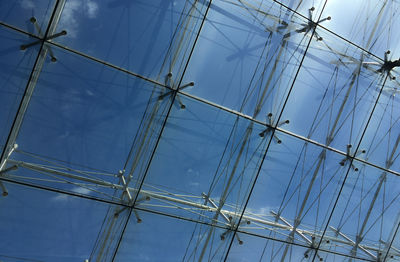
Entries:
{"x":74,"y":9}
{"x":64,"y":197}
{"x":92,"y":8}
{"x":262,"y":211}
{"x":27,"y":4}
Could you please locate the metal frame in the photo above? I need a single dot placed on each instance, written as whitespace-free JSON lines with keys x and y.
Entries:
{"x":129,"y":195}
{"x":306,"y":235}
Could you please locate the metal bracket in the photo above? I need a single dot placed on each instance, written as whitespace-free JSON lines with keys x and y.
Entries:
{"x":388,"y":65}
{"x":170,"y":84}
{"x":355,"y":244}
{"x":3,"y":171}
{"x":292,"y":228}
{"x":310,"y":25}
{"x":207,"y":198}
{"x":278,"y":217}
{"x":138,"y":219}
{"x":229,"y":220}
{"x":349,"y":157}
{"x":270,"y":127}
{"x":41,"y":36}
{"x":125,"y":186}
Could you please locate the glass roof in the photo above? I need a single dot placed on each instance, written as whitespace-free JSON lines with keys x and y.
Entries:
{"x":199,"y":130}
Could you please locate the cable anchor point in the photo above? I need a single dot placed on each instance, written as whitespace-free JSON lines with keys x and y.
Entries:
{"x":310,"y":25}
{"x":349,"y":156}
{"x":169,"y":83}
{"x":388,"y":65}
{"x":42,"y":38}
{"x":270,"y":127}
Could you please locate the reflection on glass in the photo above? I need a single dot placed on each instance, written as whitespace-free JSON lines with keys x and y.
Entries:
{"x":366,"y":215}
{"x":205,"y":164}
{"x":334,"y":94}
{"x":162,"y":238}
{"x":82,"y":121}
{"x":18,"y":13}
{"x":150,"y":38}
{"x":370,"y":24}
{"x":15,"y":68}
{"x":303,"y":6}
{"x":254,"y":248}
{"x":258,"y":47}
{"x":393,"y":253}
{"x":295,"y":192}
{"x":332,"y":257}
{"x":47,"y":226}
{"x":382,"y":139}
{"x":199,"y":130}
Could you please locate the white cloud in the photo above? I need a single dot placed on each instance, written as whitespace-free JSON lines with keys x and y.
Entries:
{"x":261,"y":211}
{"x":60,"y":197}
{"x":27,"y":4}
{"x":81,"y":190}
{"x":264,"y":210}
{"x":64,"y":197}
{"x":74,"y":9}
{"x":194,"y":184}
{"x":92,"y":8}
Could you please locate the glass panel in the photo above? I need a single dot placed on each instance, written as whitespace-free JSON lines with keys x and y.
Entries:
{"x":255,"y":51}
{"x":366,"y":213}
{"x":15,"y":68}
{"x":83,"y":119}
{"x":18,"y":13}
{"x":177,"y":129}
{"x":40,"y":225}
{"x":393,"y":253}
{"x":162,"y":238}
{"x":110,"y":234}
{"x":252,"y":248}
{"x":297,"y":188}
{"x":334,"y":93}
{"x":207,"y":160}
{"x":151,"y":38}
{"x":368,"y":23}
{"x":381,"y":140}
{"x":331,"y":257}
{"x":303,"y":7}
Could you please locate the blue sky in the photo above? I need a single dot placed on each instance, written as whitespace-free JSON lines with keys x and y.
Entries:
{"x":271,"y":106}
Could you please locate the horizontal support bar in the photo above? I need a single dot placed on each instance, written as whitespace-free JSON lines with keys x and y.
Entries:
{"x":189,"y":203}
